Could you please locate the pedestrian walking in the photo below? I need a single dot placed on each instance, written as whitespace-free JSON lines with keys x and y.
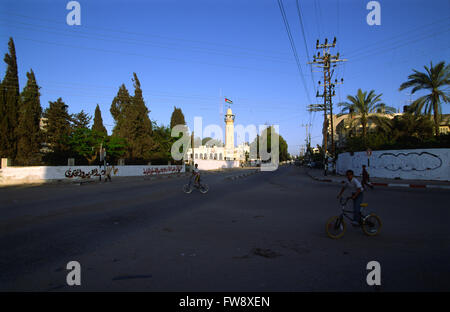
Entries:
{"x":365,"y":178}
{"x":108,"y":171}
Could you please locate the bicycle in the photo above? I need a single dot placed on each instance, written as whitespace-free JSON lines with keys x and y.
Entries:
{"x":188,"y":188}
{"x":336,"y":227}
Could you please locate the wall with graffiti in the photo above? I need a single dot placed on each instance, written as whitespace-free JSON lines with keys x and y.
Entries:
{"x":418,"y":164}
{"x":13,"y":175}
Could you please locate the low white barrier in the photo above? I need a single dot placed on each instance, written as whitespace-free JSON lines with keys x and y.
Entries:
{"x":204,"y":164}
{"x":16,"y":175}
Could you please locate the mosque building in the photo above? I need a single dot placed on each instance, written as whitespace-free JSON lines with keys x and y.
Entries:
{"x":227,"y":152}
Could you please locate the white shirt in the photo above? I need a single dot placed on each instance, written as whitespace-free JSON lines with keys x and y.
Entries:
{"x":353,"y":185}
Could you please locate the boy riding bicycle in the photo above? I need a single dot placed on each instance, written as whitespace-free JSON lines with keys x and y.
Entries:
{"x":196,"y":175}
{"x":357,"y":195}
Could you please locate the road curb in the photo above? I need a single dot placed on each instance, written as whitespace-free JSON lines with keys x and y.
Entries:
{"x":243,"y":175}
{"x":422,"y":186}
{"x":166,"y":176}
{"x":411,"y":185}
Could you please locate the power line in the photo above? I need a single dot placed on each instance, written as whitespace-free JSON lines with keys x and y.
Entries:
{"x":408,"y":42}
{"x":410,"y":32}
{"x":304,"y":41}
{"x":94,"y":36}
{"x":306,"y":48}
{"x":146,"y":56}
{"x":222,"y":45}
{"x":294,"y":50}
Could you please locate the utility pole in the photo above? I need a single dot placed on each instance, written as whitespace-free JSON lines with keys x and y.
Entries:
{"x":326,"y":62}
{"x":307,"y":134}
{"x":307,"y":137}
{"x":331,"y":93}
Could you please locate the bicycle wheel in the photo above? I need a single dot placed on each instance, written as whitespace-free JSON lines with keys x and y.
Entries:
{"x":336,"y":227}
{"x":204,"y":188}
{"x":187,"y":189}
{"x":371,"y":224}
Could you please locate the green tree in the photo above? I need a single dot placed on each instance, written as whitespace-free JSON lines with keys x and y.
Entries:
{"x":409,"y":124}
{"x":120,"y":104}
{"x":210,"y":142}
{"x":177,"y":118}
{"x":81,"y":120}
{"x":98,"y":122}
{"x":28,"y":130}
{"x":254,"y":147}
{"x":86,"y":143}
{"x":120,"y":101}
{"x":9,"y":105}
{"x":132,"y":122}
{"x":283,"y":149}
{"x":163,"y":140}
{"x":282,"y":144}
{"x":57,"y":129}
{"x":435,"y":80}
{"x":115,"y":147}
{"x":365,"y":108}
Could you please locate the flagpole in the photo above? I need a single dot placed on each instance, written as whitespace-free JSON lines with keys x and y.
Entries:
{"x":221,"y":103}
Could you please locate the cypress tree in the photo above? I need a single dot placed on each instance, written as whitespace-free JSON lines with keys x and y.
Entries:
{"x":57,"y":130}
{"x":141,"y":142}
{"x":121,"y":101}
{"x":177,"y":118}
{"x":9,"y":103}
{"x":98,"y":122}
{"x":28,"y":130}
{"x":81,"y":120}
{"x":132,"y":122}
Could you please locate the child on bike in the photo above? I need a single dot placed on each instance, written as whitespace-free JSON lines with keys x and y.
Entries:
{"x":357,"y":195}
{"x":196,"y":174}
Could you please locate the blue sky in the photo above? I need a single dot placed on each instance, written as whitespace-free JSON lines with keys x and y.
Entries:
{"x":190,"y":54}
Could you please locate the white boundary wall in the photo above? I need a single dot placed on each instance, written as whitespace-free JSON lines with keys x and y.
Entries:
{"x":205,"y":164}
{"x":15,"y":175}
{"x":414,"y":164}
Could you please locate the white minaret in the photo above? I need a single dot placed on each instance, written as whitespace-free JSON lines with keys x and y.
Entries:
{"x":229,"y":134}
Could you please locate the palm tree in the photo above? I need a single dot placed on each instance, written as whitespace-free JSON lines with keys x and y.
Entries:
{"x":435,"y":79}
{"x":364,"y":108}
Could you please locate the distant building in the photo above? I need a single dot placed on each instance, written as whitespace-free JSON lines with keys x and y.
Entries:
{"x":444,"y":126}
{"x":342,"y":130}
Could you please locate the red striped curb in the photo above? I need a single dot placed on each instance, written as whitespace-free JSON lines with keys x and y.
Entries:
{"x":389,"y":184}
{"x":413,"y":185}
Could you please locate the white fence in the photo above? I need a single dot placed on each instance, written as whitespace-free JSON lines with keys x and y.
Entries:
{"x":415,"y":164}
{"x":16,"y":175}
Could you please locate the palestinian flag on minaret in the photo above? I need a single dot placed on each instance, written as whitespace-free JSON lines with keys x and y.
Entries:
{"x":228,"y":101}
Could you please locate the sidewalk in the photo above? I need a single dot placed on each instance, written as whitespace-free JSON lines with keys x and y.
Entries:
{"x":317,"y":174}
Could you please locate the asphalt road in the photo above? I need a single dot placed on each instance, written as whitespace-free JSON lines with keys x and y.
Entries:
{"x":264,"y":232}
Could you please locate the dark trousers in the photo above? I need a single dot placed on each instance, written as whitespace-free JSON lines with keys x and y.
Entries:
{"x":357,"y":207}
